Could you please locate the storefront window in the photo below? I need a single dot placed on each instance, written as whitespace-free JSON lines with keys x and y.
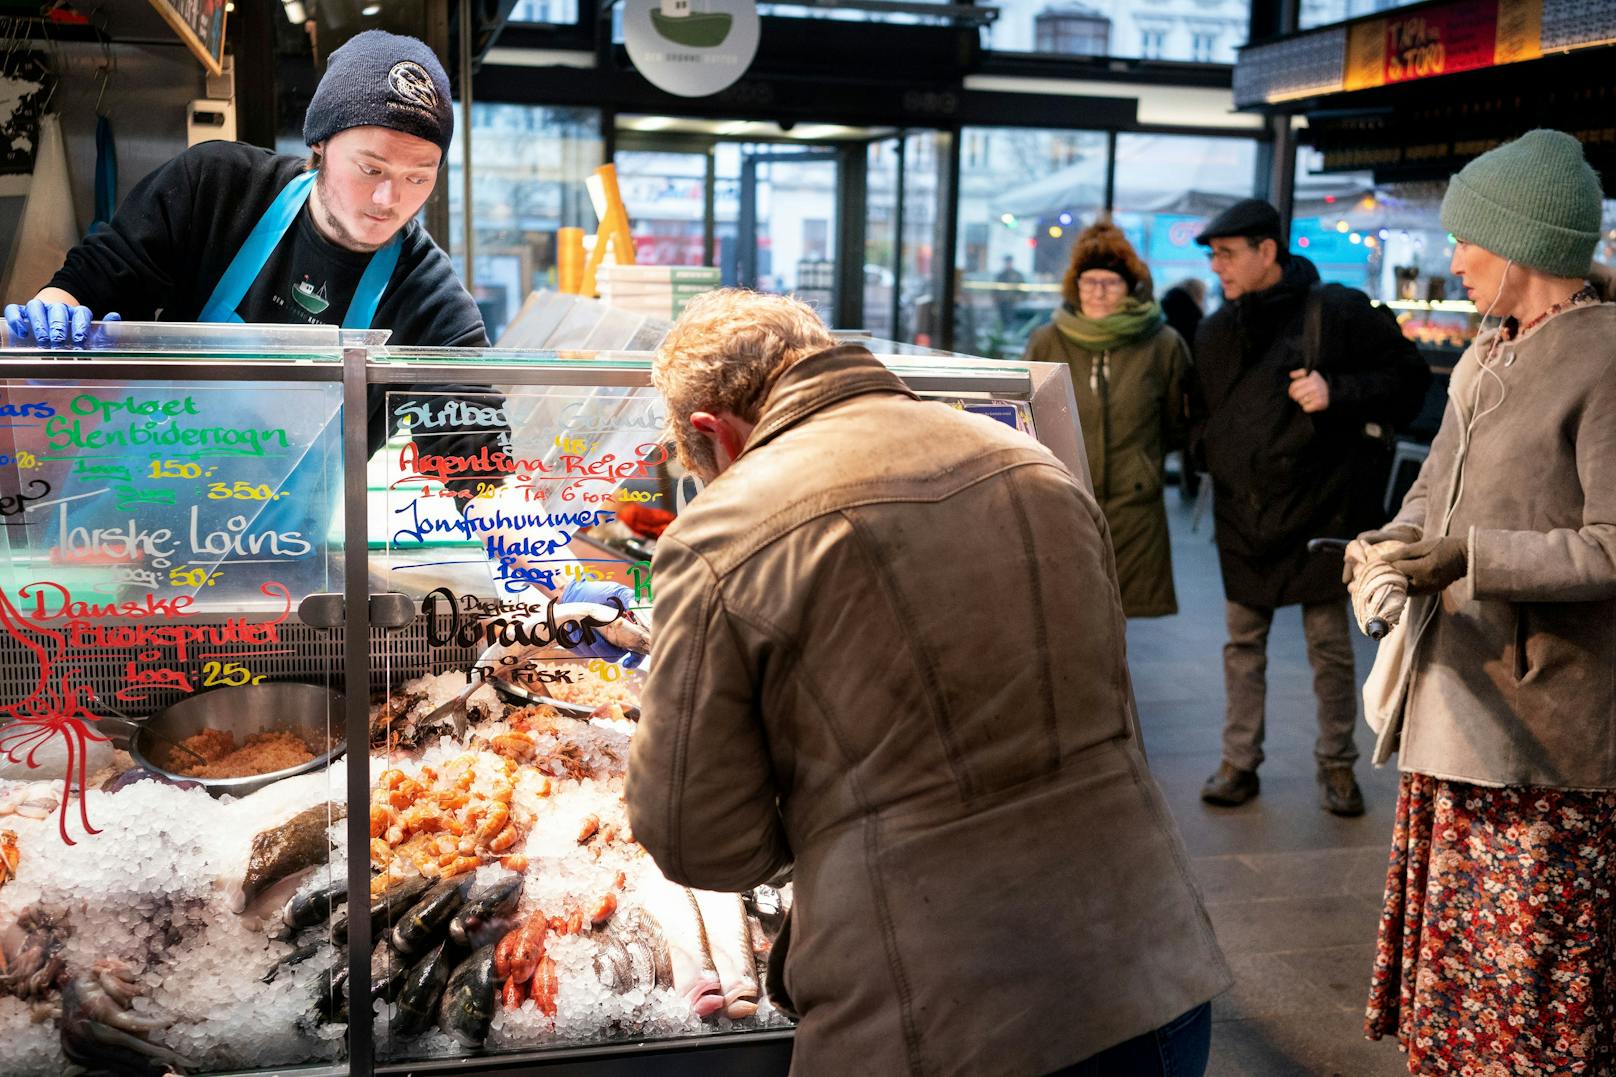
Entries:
{"x":1206,"y":31}
{"x":1024,"y":194}
{"x":1326,"y":12}
{"x":1606,"y":251}
{"x":529,"y":164}
{"x":1386,"y":239}
{"x":880,"y":236}
{"x":1167,"y":187}
{"x":917,"y":269}
{"x":554,"y":12}
{"x":665,"y":195}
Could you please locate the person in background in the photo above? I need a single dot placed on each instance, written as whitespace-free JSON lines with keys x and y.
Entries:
{"x":1184,"y":304}
{"x":987,"y":879}
{"x":1498,"y":937}
{"x":1128,"y":370}
{"x":1295,"y":385}
{"x":1008,"y":297}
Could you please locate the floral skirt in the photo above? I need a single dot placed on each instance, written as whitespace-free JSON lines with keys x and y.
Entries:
{"x":1497,"y":948}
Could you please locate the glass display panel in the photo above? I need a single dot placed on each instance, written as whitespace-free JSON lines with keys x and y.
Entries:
{"x":1024,"y":195}
{"x":518,"y":911}
{"x":1203,"y":31}
{"x":171,"y":734}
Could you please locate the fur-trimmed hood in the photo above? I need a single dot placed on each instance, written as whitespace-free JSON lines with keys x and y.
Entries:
{"x":1102,"y":245}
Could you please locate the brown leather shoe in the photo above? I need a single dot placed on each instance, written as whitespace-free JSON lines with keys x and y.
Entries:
{"x":1230,"y":786}
{"x":1339,"y":792}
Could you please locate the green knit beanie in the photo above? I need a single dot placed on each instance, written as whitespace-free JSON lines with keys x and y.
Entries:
{"x":1534,"y":201}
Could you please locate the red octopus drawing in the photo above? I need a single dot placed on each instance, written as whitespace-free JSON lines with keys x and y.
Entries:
{"x":55,"y":708}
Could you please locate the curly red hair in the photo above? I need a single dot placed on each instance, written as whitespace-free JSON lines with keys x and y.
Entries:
{"x":1102,"y":245}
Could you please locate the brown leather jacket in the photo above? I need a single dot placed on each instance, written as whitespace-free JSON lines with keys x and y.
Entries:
{"x":889,"y":654}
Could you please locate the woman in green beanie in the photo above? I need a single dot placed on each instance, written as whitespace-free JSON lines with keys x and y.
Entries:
{"x":1498,"y":937}
{"x":1128,"y":370}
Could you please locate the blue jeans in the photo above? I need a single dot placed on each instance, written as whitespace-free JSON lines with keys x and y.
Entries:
{"x":1180,"y":1048}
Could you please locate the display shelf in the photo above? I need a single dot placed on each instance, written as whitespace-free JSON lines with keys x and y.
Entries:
{"x":178,"y":506}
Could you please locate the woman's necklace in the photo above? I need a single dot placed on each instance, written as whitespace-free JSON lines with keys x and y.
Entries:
{"x":1581,"y":297}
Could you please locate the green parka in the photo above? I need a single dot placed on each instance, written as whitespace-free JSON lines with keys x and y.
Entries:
{"x":1130,"y":401}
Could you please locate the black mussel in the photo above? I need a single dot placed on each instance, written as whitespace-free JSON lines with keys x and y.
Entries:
{"x":331,"y":991}
{"x":387,"y":971}
{"x":468,"y":1002}
{"x":395,"y":901}
{"x":296,"y":957}
{"x":309,"y":908}
{"x":429,"y":918}
{"x":339,"y":925}
{"x":418,"y":1000}
{"x":487,"y":914}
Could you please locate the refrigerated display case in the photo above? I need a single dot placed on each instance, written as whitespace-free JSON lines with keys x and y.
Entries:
{"x":214,"y":596}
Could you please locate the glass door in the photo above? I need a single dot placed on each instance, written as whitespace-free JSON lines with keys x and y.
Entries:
{"x":883,"y":176}
{"x":786,"y":232}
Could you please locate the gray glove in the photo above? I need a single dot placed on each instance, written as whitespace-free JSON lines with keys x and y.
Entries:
{"x":1355,"y":556}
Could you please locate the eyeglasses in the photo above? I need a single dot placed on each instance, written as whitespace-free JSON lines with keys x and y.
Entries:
{"x":1101,"y":284}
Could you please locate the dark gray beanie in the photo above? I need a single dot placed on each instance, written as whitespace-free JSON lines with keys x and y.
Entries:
{"x":380,"y":79}
{"x":1534,"y":201}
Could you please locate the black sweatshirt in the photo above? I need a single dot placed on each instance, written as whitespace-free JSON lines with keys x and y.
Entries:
{"x":163,"y":253}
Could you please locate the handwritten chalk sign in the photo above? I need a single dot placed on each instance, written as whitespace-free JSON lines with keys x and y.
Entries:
{"x":200,"y":24}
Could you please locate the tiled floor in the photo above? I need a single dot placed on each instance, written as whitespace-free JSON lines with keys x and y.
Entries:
{"x":1293,"y":892}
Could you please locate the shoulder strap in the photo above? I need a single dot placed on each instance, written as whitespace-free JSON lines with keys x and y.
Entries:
{"x":1313,"y":328}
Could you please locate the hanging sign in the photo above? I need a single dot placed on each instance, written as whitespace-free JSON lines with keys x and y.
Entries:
{"x":200,"y":24}
{"x":692,"y":48}
{"x":1442,"y":41}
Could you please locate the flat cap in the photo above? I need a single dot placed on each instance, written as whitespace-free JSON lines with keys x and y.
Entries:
{"x":1252,"y":217}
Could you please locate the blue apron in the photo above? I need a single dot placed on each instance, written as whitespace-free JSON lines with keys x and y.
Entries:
{"x":311,"y":483}
{"x":261,"y":242}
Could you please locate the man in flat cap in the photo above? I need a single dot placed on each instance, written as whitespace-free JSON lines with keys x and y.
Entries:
{"x":1298,"y":386}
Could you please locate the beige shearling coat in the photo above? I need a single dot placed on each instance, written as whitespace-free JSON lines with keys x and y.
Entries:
{"x":1513,"y":680}
{"x":889,"y":655}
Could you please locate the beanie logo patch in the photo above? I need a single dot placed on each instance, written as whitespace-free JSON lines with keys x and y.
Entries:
{"x":410,"y":81}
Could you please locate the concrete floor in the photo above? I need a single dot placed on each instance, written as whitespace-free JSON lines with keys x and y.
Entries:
{"x":1293,"y":892}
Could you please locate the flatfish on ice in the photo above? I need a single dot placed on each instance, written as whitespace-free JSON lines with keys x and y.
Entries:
{"x":298,"y":843}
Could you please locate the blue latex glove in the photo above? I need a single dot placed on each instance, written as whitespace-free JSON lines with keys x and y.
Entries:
{"x":50,"y":325}
{"x":603,"y":592}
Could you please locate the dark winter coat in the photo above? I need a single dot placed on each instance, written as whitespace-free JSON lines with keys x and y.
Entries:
{"x":1130,"y":403}
{"x":1280,"y":475}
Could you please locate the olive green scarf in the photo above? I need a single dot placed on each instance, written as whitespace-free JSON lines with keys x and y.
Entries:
{"x":1133,"y":320}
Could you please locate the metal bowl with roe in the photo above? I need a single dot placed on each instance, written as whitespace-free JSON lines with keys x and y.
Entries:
{"x":311,"y":712}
